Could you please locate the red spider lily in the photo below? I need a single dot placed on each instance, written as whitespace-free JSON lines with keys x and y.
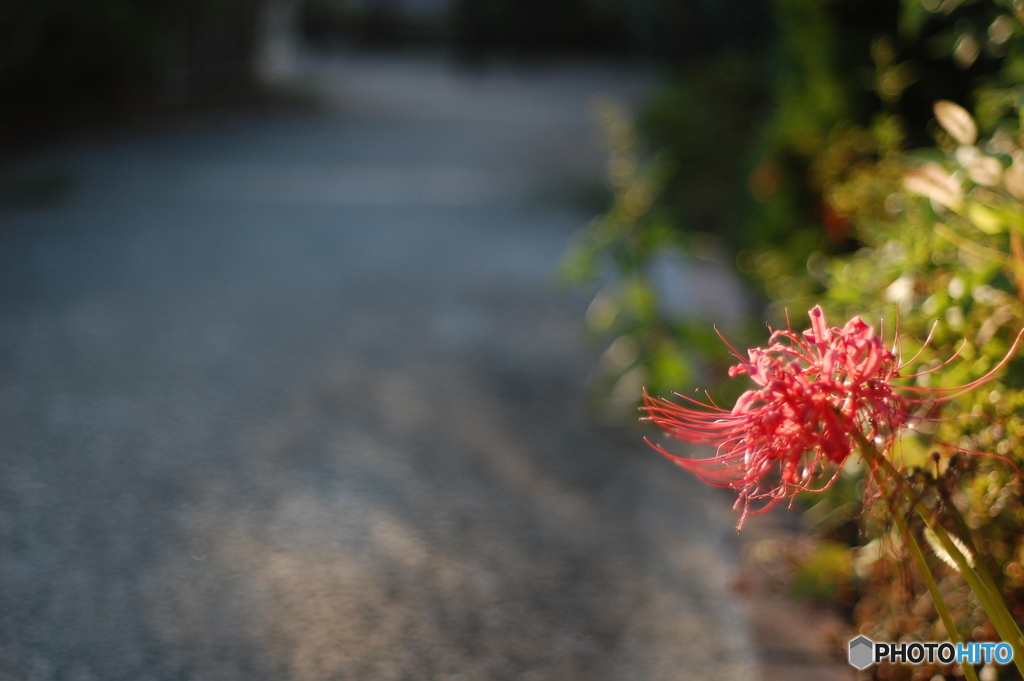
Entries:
{"x":815,"y":390}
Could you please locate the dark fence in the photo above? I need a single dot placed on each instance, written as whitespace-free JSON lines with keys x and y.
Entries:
{"x":207,"y":54}
{"x":664,"y":29}
{"x":63,"y":62}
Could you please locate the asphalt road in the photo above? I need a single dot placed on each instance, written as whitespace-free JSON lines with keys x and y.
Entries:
{"x":291,"y":395}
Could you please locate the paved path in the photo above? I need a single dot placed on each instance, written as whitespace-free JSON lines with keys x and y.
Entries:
{"x":292,"y":396}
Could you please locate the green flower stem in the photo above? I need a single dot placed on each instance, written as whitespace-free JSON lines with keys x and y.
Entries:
{"x":993,"y":603}
{"x":987,"y":593}
{"x":965,"y":535}
{"x":995,"y":607}
{"x":926,"y":573}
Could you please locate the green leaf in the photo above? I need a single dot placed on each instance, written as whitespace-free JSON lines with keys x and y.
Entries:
{"x":985,"y":219}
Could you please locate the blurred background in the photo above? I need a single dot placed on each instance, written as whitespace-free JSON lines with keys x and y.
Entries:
{"x":323,"y":326}
{"x":118,"y":56}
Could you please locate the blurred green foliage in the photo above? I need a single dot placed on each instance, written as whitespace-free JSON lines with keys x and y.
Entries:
{"x":759,"y":149}
{"x":668,"y":204}
{"x":856,"y":83}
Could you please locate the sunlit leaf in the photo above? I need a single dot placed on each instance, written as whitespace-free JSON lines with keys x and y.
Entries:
{"x":957,"y":121}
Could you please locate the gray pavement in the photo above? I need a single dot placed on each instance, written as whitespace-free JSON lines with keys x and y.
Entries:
{"x":292,"y":396}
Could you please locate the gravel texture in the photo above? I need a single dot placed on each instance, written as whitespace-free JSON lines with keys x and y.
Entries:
{"x":293,"y":396}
